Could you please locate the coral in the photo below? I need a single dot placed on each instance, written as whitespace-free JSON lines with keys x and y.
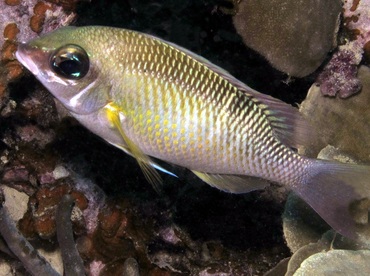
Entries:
{"x":17,"y":176}
{"x":10,"y":69}
{"x":113,"y":234}
{"x":348,"y":120}
{"x":294,"y":36}
{"x":335,"y":262}
{"x":131,"y":267}
{"x":339,"y":76}
{"x":12,"y":2}
{"x":39,"y":16}
{"x":33,"y":262}
{"x":343,"y":126}
{"x":40,"y":218}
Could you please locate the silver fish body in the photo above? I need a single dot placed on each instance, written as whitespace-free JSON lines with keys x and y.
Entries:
{"x":152,"y":98}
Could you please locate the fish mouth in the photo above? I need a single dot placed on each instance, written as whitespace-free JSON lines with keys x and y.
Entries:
{"x":31,"y":57}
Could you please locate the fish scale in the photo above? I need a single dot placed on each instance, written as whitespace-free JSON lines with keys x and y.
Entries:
{"x":240,"y":116}
{"x":156,"y":100}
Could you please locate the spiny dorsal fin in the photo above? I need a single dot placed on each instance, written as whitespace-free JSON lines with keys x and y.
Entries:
{"x":289,"y":126}
{"x":144,"y":161}
{"x":235,"y":184}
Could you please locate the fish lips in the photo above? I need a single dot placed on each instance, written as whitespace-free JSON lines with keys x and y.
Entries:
{"x":33,"y":58}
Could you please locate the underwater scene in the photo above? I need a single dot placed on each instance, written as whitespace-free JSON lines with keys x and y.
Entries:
{"x":199,"y":137}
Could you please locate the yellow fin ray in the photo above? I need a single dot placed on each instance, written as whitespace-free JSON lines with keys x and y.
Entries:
{"x":144,"y":161}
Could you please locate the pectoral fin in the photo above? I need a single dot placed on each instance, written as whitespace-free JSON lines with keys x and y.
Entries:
{"x":144,"y":161}
{"x":152,"y":163}
{"x":233,"y":183}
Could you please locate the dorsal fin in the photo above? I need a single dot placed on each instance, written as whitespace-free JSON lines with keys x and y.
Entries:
{"x":289,"y":126}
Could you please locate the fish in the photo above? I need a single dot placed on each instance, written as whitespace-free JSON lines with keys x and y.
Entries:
{"x":159,"y":102}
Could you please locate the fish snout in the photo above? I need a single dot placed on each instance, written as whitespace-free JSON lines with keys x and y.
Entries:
{"x":33,"y":58}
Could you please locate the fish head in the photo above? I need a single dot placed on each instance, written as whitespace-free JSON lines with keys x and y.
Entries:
{"x":65,"y":62}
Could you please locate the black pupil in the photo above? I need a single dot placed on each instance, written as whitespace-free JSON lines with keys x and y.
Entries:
{"x":71,"y":67}
{"x":71,"y":62}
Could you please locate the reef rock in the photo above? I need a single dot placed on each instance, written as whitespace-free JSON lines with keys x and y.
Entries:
{"x":301,"y":225}
{"x":293,"y":35}
{"x":343,"y":124}
{"x":336,"y":262}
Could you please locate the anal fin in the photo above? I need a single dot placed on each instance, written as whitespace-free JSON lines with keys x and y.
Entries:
{"x":236,"y":184}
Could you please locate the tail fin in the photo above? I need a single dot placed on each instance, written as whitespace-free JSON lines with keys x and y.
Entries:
{"x":340,"y":194}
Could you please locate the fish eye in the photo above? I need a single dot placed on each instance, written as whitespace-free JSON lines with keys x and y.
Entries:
{"x":70,"y":61}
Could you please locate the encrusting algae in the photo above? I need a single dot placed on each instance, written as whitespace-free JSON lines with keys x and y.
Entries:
{"x":156,"y":100}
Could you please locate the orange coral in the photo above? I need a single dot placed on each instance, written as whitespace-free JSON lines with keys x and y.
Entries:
{"x":8,"y":50}
{"x":354,"y":5}
{"x":15,"y":70}
{"x":12,"y":2}
{"x":38,"y":19}
{"x":2,"y":89}
{"x":40,"y":8}
{"x":42,"y":210}
{"x":12,"y":69}
{"x":10,"y":31}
